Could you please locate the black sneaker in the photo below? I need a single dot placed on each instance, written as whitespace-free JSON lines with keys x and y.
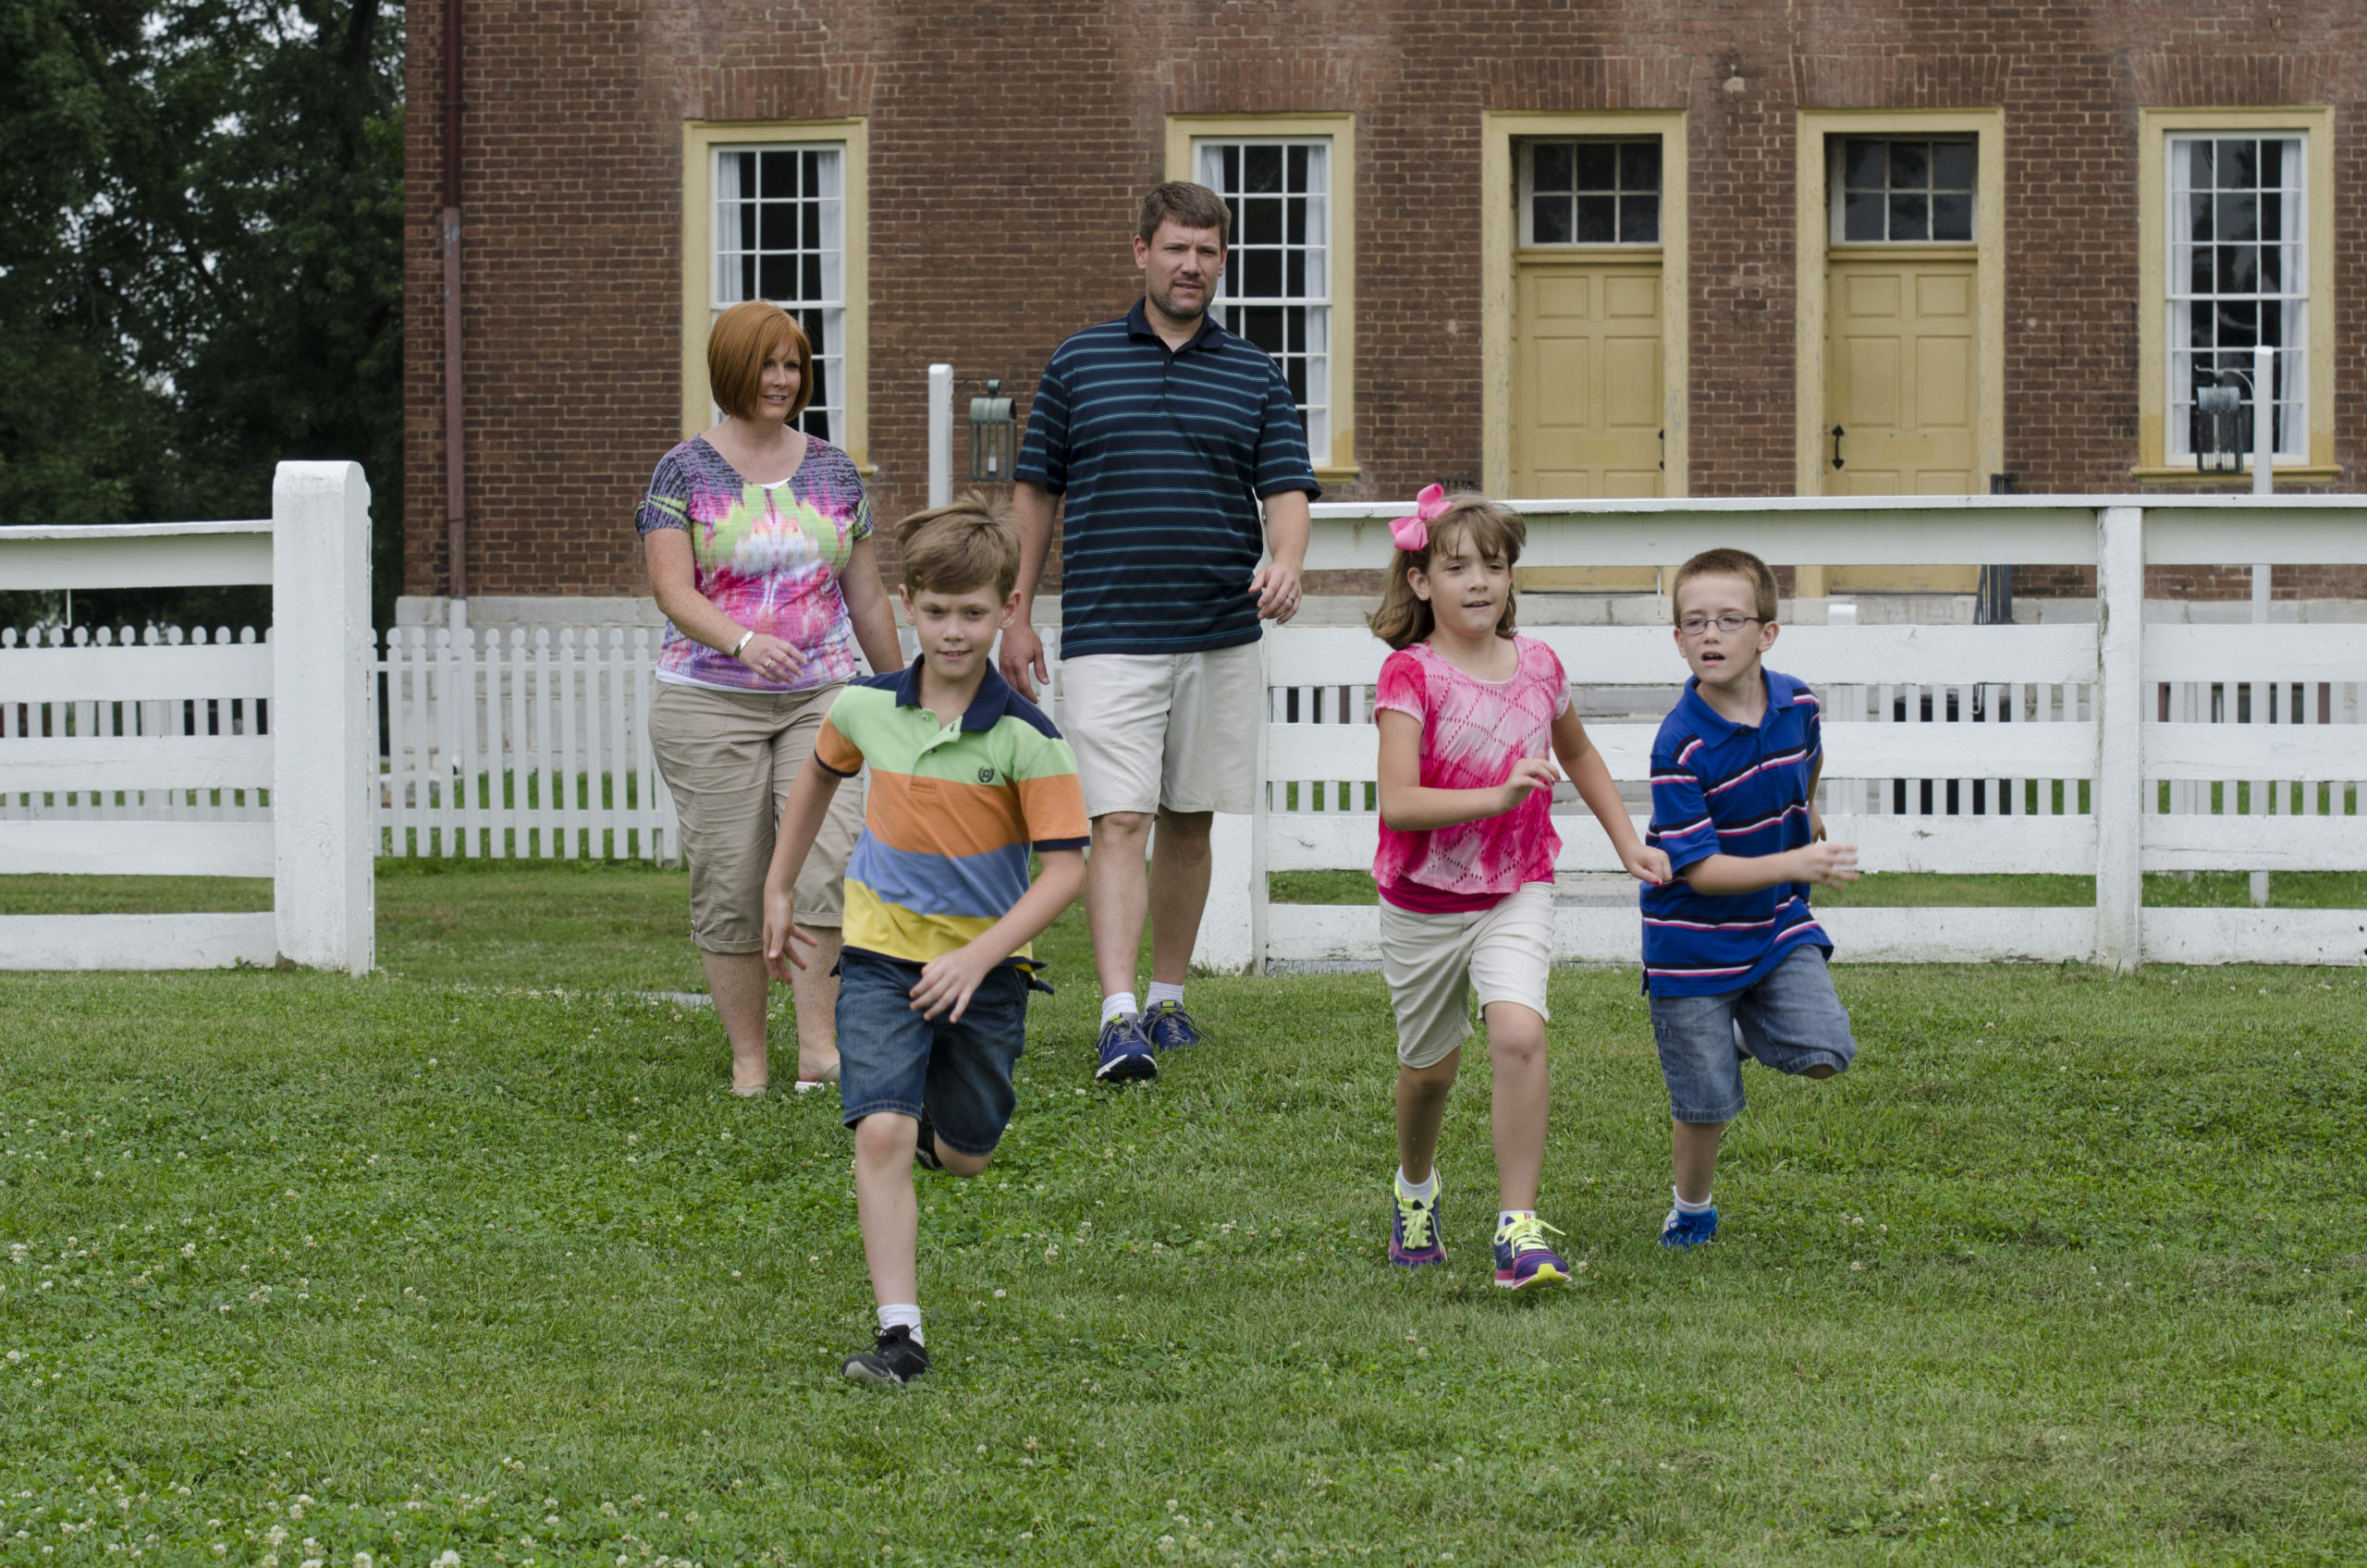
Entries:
{"x":895,"y":1361}
{"x":925,"y":1151}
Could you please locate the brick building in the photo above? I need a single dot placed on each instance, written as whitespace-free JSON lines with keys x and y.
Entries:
{"x":1630,"y":247}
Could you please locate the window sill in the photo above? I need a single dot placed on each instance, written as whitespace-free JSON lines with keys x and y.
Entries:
{"x":1902,"y":250}
{"x":2299,"y":474}
{"x":1338,"y":475}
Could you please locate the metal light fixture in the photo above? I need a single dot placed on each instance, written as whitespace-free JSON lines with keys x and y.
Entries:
{"x":994,"y":435}
{"x":2216,"y":411}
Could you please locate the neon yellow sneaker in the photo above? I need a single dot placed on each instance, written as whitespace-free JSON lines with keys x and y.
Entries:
{"x":1523,"y":1258}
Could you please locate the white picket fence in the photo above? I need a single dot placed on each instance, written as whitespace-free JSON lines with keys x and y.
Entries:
{"x":2109,"y":749}
{"x":198,"y":756}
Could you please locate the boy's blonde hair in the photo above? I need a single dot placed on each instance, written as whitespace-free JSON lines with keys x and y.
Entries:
{"x":1729,"y":563}
{"x":1404,"y":617}
{"x":956,"y":549}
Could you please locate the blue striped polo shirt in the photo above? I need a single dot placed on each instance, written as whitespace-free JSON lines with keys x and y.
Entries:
{"x":1722,"y":787}
{"x":1163,"y":456}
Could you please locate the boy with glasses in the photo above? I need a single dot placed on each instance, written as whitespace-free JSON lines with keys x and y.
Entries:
{"x":1734,"y":960}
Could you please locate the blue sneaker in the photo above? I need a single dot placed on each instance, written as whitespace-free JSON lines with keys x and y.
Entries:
{"x":1167,"y":1028}
{"x":1524,"y":1259}
{"x":1683,"y":1229}
{"x":1125,"y":1055}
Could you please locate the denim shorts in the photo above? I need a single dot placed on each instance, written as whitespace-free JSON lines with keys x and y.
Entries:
{"x":893,"y":1059}
{"x":1788,"y":1018}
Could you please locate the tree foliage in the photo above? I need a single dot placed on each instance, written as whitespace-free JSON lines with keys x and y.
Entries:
{"x":200,"y":256}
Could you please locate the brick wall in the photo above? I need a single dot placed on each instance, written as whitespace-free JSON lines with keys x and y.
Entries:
{"x":1008,"y":144}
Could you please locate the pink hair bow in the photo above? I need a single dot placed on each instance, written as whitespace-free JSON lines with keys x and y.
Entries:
{"x":1414,"y":532}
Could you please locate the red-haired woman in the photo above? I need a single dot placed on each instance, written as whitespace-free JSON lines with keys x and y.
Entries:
{"x":758,"y":541}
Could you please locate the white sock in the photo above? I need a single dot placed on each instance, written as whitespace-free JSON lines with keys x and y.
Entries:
{"x":1160,"y":991}
{"x":1684,"y":1207}
{"x":1506,"y":1216}
{"x":1422,"y":1191}
{"x":1119,"y":1004}
{"x":907,"y":1315}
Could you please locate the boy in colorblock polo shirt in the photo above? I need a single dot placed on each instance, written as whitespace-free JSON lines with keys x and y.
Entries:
{"x":1734,"y":960}
{"x":967,"y":778}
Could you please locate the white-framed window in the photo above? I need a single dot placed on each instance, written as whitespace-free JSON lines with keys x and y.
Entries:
{"x":2236,"y":280}
{"x":1590,"y":191}
{"x":1276,"y":288}
{"x":780,"y":234}
{"x":1902,"y":192}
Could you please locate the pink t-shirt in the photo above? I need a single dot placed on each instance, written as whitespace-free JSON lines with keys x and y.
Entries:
{"x":1473,"y":731}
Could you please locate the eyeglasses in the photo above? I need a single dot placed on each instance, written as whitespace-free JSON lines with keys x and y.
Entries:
{"x":1729,"y":623}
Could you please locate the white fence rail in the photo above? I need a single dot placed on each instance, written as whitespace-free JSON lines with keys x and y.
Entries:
{"x":164,"y":756}
{"x":2108,"y":751}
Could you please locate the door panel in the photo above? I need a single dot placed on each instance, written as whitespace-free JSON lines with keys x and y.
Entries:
{"x":1901,"y":370}
{"x":1587,"y":396}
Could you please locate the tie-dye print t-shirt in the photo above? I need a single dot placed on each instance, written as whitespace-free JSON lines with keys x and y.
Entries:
{"x":767,"y":555}
{"x":1473,"y":731}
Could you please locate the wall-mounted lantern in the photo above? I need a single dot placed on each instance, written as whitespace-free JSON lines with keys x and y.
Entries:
{"x":994,"y":435}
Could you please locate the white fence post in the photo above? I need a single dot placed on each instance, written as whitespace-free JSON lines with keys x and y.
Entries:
{"x":324,"y":752}
{"x":940,"y":436}
{"x":2117,"y":799}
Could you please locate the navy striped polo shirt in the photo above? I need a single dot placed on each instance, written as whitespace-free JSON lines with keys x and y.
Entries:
{"x":1722,"y":787}
{"x":1164,"y":456}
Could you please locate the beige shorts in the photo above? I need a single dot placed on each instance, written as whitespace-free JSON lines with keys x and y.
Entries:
{"x":1178,"y":730}
{"x":730,"y":758}
{"x":1433,"y":962}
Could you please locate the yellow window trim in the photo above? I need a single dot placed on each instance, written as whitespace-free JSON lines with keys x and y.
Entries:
{"x":1817,"y":249}
{"x":1338,"y":465}
{"x":2314,"y":124}
{"x":1499,"y":229}
{"x":700,"y":138}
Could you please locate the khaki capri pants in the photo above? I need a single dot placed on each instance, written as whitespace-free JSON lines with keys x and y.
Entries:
{"x":730,"y":758}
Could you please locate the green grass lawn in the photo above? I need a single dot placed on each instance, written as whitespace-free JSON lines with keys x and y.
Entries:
{"x":476,"y":1255}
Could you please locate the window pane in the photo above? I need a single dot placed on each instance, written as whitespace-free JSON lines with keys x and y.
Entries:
{"x":1952,"y":216}
{"x":2237,"y":218}
{"x":2198,"y":156}
{"x":1232,"y":170}
{"x":1639,"y":220}
{"x":2198,"y":218}
{"x":1262,"y":325}
{"x":1911,"y":218}
{"x":2238,"y":164}
{"x":2272,"y":269}
{"x":1261,"y":273}
{"x":1952,"y":165}
{"x":1549,"y":220}
{"x":1640,"y":167}
{"x":1596,"y":216}
{"x":1863,"y":163}
{"x":809,"y":283}
{"x":2238,"y":269}
{"x":1598,"y":166}
{"x":1550,"y":165}
{"x":1297,"y":168}
{"x":2238,"y":323}
{"x":1261,"y":168}
{"x":1911,"y":166}
{"x":1294,"y":274}
{"x":1863,"y":218}
{"x":1261,"y":223}
{"x":2198,"y":272}
{"x":773,"y":277}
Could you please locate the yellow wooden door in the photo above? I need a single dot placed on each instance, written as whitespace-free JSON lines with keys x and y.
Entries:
{"x":1900,"y":367}
{"x":1587,"y":396}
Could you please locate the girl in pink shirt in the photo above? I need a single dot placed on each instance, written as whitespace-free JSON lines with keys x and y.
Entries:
{"x":1470,"y":716}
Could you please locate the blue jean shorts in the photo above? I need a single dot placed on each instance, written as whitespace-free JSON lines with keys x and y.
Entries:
{"x":1788,"y":1018}
{"x":893,"y":1059}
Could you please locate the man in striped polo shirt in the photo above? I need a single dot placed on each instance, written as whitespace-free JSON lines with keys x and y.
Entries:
{"x":1734,"y":958}
{"x":1163,"y":432}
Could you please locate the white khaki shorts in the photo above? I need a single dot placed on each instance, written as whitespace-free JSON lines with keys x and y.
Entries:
{"x":1434,"y":962}
{"x":1177,"y":731}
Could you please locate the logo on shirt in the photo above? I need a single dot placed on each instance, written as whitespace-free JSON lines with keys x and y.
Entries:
{"x":985,"y":775}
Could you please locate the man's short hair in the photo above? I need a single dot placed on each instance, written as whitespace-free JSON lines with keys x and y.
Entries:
{"x":737,"y":347}
{"x":1730,"y":563}
{"x":1191,"y":206}
{"x":972,"y":544}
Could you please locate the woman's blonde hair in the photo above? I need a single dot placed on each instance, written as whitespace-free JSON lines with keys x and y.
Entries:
{"x":742,"y":338}
{"x":1404,"y":617}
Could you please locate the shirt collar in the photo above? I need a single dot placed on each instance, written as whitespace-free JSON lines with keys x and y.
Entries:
{"x":986,"y":706}
{"x":1138,"y":325}
{"x":1778,"y":689}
